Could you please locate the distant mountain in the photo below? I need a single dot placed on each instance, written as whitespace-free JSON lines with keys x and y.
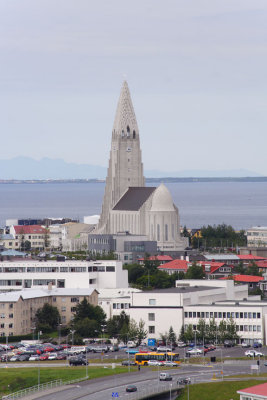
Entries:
{"x":26,"y":168}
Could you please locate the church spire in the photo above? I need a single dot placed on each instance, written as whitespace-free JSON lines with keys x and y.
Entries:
{"x":125,"y":163}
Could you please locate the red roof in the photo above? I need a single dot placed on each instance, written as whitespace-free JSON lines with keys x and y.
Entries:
{"x":157,"y":258}
{"x":260,"y":390}
{"x":250,"y":257}
{"x":213,"y":265}
{"x":245,"y":278}
{"x":176,"y":264}
{"x":29,"y":229}
{"x":261,"y":264}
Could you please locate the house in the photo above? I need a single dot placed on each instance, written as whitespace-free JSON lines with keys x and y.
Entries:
{"x":174,"y":266}
{"x":258,"y":392}
{"x":161,"y":259}
{"x":215,"y":269}
{"x":231,"y":259}
{"x":248,"y":259}
{"x":35,"y":234}
{"x":251,"y":280}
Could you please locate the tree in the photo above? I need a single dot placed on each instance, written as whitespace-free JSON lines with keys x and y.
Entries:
{"x":47,"y":318}
{"x":27,"y":245}
{"x":86,"y":327}
{"x":86,"y":310}
{"x":141,"y":332}
{"x":171,"y":336}
{"x":116,"y":323}
{"x":195,"y":272}
{"x":240,"y":268}
{"x":201,"y":329}
{"x":182,"y":336}
{"x":253,"y":269}
{"x":132,"y":330}
{"x":189,"y":333}
{"x":135,"y":271}
{"x":222,"y":331}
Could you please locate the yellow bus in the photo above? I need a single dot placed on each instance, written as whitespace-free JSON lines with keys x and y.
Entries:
{"x":143,"y":358}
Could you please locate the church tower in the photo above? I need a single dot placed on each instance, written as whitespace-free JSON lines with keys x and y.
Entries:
{"x":125,"y":163}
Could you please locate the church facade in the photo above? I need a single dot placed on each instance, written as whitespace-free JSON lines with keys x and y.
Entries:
{"x":128,"y":205}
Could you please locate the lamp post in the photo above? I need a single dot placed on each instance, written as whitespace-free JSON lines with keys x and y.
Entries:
{"x":72,"y":331}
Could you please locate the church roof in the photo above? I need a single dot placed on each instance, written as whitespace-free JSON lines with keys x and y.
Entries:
{"x":134,"y":198}
{"x":125,"y":114}
{"x":162,"y":199}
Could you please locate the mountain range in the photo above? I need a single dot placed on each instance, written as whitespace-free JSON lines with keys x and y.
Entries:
{"x":26,"y":168}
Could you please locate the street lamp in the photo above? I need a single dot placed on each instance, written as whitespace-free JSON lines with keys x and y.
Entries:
{"x":72,"y":331}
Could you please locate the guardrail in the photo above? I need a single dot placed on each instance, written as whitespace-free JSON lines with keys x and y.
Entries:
{"x":40,"y":388}
{"x":148,"y":391}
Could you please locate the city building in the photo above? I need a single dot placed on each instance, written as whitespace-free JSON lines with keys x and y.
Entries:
{"x":18,"y":308}
{"x":62,"y":274}
{"x":128,"y":205}
{"x":36,"y":235}
{"x":257,"y":236}
{"x":127,"y":248}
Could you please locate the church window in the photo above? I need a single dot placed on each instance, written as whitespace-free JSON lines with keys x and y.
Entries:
{"x":133,"y":134}
{"x":173,"y":231}
{"x":128,"y":129}
{"x":158,"y":232}
{"x":122,"y":133}
{"x":166,"y":232}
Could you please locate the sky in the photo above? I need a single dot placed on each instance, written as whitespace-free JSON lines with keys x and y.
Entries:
{"x":196,"y":70}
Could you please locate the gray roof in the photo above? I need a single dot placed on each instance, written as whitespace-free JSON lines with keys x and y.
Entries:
{"x":13,"y":296}
{"x":181,"y":289}
{"x":221,"y":257}
{"x":134,"y":198}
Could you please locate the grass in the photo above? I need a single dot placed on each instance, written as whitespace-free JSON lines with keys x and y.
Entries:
{"x":14,"y":379}
{"x":217,"y":391}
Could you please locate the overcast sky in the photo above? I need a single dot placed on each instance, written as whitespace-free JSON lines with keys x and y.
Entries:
{"x":196,"y":70}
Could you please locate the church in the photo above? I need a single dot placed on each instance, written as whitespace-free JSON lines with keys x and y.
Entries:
{"x":129,"y":205}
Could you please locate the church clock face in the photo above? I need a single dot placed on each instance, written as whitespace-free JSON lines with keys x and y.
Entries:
{"x":129,"y":149}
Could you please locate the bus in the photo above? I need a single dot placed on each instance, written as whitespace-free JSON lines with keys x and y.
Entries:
{"x":143,"y":358}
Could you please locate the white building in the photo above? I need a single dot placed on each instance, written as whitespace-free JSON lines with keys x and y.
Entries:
{"x":257,"y":236}
{"x":69,"y":274}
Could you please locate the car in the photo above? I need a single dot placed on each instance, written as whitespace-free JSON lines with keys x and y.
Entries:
{"x":128,"y":362}
{"x":154,"y":363}
{"x":78,"y":361}
{"x":100,"y":349}
{"x":194,"y":351}
{"x":34,"y":357}
{"x":14,"y":358}
{"x":229,"y":343}
{"x":256,"y":345}
{"x":132,"y":351}
{"x":181,"y":344}
{"x":245,"y":345}
{"x":61,"y":356}
{"x":131,"y":388}
{"x":253,"y":353}
{"x":113,"y":348}
{"x":184,"y":381}
{"x":163,"y":349}
{"x":24,"y":357}
{"x":52,"y":356}
{"x":211,"y":347}
{"x":170,"y":364}
{"x":164,"y":376}
{"x":44,"y":357}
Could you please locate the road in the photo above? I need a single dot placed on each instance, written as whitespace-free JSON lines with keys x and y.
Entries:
{"x":115,"y":386}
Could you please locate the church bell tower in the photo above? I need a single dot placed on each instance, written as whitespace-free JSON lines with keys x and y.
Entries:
{"x":125,"y":163}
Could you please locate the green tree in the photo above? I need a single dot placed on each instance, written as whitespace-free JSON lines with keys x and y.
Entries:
{"x":171,"y":336}
{"x":47,"y":318}
{"x":135,"y":271}
{"x":253,"y":269}
{"x":189,"y":333}
{"x":86,"y":327}
{"x":27,"y":245}
{"x":141,"y":332}
{"x":195,"y":272}
{"x":201,"y":329}
{"x":240,"y":269}
{"x":115,"y":324}
{"x":222,"y":331}
{"x":124,"y":333}
{"x":182,"y":336}
{"x":86,"y":310}
{"x":231,"y":330}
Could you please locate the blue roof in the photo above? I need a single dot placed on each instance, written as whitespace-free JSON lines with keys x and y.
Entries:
{"x":12,"y":253}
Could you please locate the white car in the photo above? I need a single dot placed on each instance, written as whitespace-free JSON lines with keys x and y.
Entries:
{"x":194,"y":351}
{"x":34,"y":357}
{"x":163,"y":349}
{"x":154,"y":363}
{"x":244,"y":345}
{"x":52,"y":356}
{"x":170,"y":364}
{"x":253,"y":353}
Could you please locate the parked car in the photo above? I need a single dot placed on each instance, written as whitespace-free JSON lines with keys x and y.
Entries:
{"x":256,"y":345}
{"x":163,"y":349}
{"x":132,"y":351}
{"x":128,"y":362}
{"x":245,"y":345}
{"x":229,"y":343}
{"x":34,"y":357}
{"x":113,"y":348}
{"x":131,"y":388}
{"x":253,"y":353}
{"x":24,"y":357}
{"x":194,"y":351}
{"x":164,"y":376}
{"x":44,"y":357}
{"x":181,"y":344}
{"x":154,"y":363}
{"x":61,"y":356}
{"x":14,"y":358}
{"x":100,"y":349}
{"x":52,"y":356}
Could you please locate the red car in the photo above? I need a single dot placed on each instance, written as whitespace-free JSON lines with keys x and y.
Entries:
{"x":44,"y":357}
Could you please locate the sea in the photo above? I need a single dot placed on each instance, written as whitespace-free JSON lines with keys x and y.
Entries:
{"x":240,"y":204}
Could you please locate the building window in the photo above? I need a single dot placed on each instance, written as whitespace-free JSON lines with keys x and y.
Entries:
{"x":254,"y":315}
{"x":2,"y":315}
{"x":249,"y":315}
{"x":152,"y":302}
{"x":237,"y":314}
{"x":228,"y":315}
{"x":74,"y":300}
{"x":194,"y":314}
{"x":241,"y":315}
{"x":151,"y":317}
{"x":134,"y":134}
{"x":63,"y":309}
{"x":258,"y":315}
{"x":186,"y":314}
{"x":73,"y":309}
{"x":10,"y":315}
{"x":151,"y":329}
{"x":10,"y":325}
{"x":258,"y":328}
{"x":114,"y":306}
{"x":54,"y":299}
{"x":245,"y":315}
{"x":207,"y":314}
{"x":202,"y":314}
{"x":110,"y":269}
{"x":211,"y":314}
{"x":198,"y":314}
{"x":224,"y":314}
{"x":190,"y":314}
{"x":215,"y":315}
{"x":2,"y":326}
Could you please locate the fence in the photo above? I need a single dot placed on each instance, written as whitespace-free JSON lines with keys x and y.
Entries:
{"x":148,"y":391}
{"x":40,"y":388}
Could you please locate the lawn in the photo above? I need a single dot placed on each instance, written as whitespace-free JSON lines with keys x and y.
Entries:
{"x":14,"y":379}
{"x":217,"y":390}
